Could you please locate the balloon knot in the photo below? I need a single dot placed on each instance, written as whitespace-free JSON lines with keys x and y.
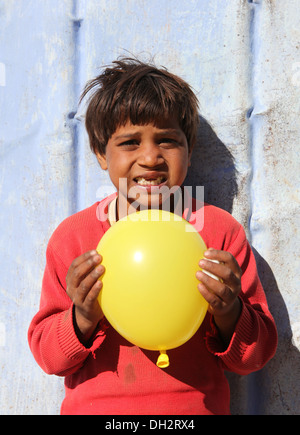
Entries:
{"x":163,"y":360}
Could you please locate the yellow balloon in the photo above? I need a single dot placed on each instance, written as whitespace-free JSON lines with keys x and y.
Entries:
{"x":149,"y":292}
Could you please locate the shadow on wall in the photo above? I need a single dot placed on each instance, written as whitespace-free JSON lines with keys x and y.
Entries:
{"x":274,"y":389}
{"x":213,"y":167}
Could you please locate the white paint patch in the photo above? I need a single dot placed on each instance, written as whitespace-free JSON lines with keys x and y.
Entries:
{"x":2,"y":74}
{"x":2,"y":334}
{"x":296,"y":74}
{"x":296,"y":334}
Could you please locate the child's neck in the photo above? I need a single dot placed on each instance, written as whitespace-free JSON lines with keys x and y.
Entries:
{"x":173,"y":204}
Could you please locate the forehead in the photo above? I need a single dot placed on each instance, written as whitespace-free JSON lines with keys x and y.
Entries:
{"x":163,"y":126}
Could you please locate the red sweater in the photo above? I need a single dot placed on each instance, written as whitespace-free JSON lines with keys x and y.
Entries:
{"x":114,"y":377}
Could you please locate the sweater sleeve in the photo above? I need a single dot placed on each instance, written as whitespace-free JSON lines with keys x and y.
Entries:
{"x":254,"y":340}
{"x":52,"y":338}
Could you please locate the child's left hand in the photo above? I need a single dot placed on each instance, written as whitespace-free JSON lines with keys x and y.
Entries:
{"x":222,"y":294}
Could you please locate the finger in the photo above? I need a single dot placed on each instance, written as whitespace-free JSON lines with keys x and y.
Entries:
{"x":82,"y":258}
{"x":88,"y":283}
{"x":93,"y":294}
{"x":221,"y":271}
{"x":217,"y":288}
{"x":205,"y":270}
{"x":224,"y":257}
{"x":79,"y":272}
{"x":213,"y":300}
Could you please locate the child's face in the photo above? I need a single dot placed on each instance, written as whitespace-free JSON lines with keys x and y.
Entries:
{"x":152,"y":158}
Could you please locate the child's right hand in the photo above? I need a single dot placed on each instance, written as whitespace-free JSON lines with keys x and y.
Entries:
{"x":83,"y":287}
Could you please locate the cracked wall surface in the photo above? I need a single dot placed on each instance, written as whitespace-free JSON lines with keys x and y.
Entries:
{"x":243,"y":60}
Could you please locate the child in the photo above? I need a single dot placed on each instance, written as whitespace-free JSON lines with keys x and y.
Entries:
{"x":142,"y":124}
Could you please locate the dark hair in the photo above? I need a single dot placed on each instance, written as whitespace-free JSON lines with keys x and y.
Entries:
{"x":132,"y":90}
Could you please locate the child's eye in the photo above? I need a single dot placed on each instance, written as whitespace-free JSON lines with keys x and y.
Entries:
{"x":129,"y":144}
{"x":168,"y":143}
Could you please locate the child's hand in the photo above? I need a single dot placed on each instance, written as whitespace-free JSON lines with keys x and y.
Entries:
{"x":222,"y":294}
{"x":83,"y":287}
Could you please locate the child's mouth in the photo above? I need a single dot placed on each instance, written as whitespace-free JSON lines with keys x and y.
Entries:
{"x":141,"y":181}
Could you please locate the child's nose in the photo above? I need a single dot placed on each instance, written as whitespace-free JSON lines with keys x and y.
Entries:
{"x":150,"y":156}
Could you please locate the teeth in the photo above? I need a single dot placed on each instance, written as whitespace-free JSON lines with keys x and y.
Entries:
{"x":143,"y":182}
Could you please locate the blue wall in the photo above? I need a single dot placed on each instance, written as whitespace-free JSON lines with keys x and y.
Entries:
{"x":243,"y":60}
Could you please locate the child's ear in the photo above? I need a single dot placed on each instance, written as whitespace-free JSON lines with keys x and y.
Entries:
{"x":102,"y":160}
